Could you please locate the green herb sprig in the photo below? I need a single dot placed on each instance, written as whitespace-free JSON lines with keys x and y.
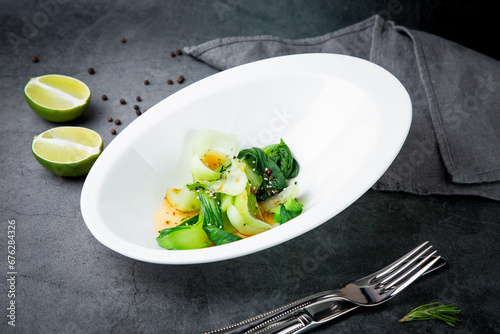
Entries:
{"x":428,"y":312}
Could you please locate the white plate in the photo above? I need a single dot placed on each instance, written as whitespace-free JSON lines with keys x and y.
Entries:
{"x":345,"y":120}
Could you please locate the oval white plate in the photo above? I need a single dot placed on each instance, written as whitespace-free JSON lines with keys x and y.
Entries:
{"x":345,"y":120}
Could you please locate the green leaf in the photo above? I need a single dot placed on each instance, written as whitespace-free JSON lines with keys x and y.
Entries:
{"x":183,"y":237}
{"x":191,"y":221}
{"x":273,"y":179}
{"x":287,"y":211}
{"x":219,"y":236}
{"x":210,"y":212}
{"x":281,"y":155}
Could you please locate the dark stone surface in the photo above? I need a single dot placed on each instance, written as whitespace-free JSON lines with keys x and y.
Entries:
{"x":67,"y":282}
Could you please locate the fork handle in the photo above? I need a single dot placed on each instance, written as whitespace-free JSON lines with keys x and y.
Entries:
{"x":292,"y":324}
{"x":274,"y":317}
{"x":302,"y":322}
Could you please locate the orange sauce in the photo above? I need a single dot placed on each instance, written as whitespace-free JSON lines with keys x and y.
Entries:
{"x":214,"y":159}
{"x":241,"y":235}
{"x":268,"y":217}
{"x":167,"y":217}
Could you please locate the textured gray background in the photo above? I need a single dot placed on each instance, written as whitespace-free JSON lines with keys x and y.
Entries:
{"x":67,"y":282}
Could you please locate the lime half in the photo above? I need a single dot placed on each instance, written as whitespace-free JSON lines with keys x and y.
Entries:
{"x":67,"y":150}
{"x":57,"y":98}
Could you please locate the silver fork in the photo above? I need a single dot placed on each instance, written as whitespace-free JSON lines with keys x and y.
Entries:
{"x":319,"y":308}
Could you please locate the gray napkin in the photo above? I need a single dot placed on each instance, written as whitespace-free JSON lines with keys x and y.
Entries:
{"x":454,"y":142}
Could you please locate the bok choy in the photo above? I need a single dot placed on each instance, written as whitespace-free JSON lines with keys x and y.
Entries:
{"x":231,"y":192}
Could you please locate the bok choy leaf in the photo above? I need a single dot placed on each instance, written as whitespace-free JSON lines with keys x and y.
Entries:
{"x":286,"y":211}
{"x":220,"y":237}
{"x":281,"y":155}
{"x":211,"y":216}
{"x":273,"y":179}
{"x":184,"y":237}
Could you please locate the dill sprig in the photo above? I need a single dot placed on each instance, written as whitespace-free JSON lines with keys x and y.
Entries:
{"x":428,"y":311}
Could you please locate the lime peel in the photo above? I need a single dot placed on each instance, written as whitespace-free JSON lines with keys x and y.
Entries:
{"x":67,"y":150}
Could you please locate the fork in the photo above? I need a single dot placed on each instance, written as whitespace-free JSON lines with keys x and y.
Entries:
{"x":370,"y":290}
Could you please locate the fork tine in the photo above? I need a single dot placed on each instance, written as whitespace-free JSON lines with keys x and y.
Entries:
{"x":403,"y":268}
{"x":390,"y":268}
{"x":409,"y":277}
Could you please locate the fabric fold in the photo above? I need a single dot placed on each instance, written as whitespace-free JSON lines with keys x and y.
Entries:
{"x":453,"y":146}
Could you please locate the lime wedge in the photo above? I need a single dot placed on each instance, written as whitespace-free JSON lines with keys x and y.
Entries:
{"x":57,"y":98}
{"x":67,"y":150}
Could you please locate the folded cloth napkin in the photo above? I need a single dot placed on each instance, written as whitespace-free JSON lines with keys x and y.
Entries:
{"x":453,"y":147}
